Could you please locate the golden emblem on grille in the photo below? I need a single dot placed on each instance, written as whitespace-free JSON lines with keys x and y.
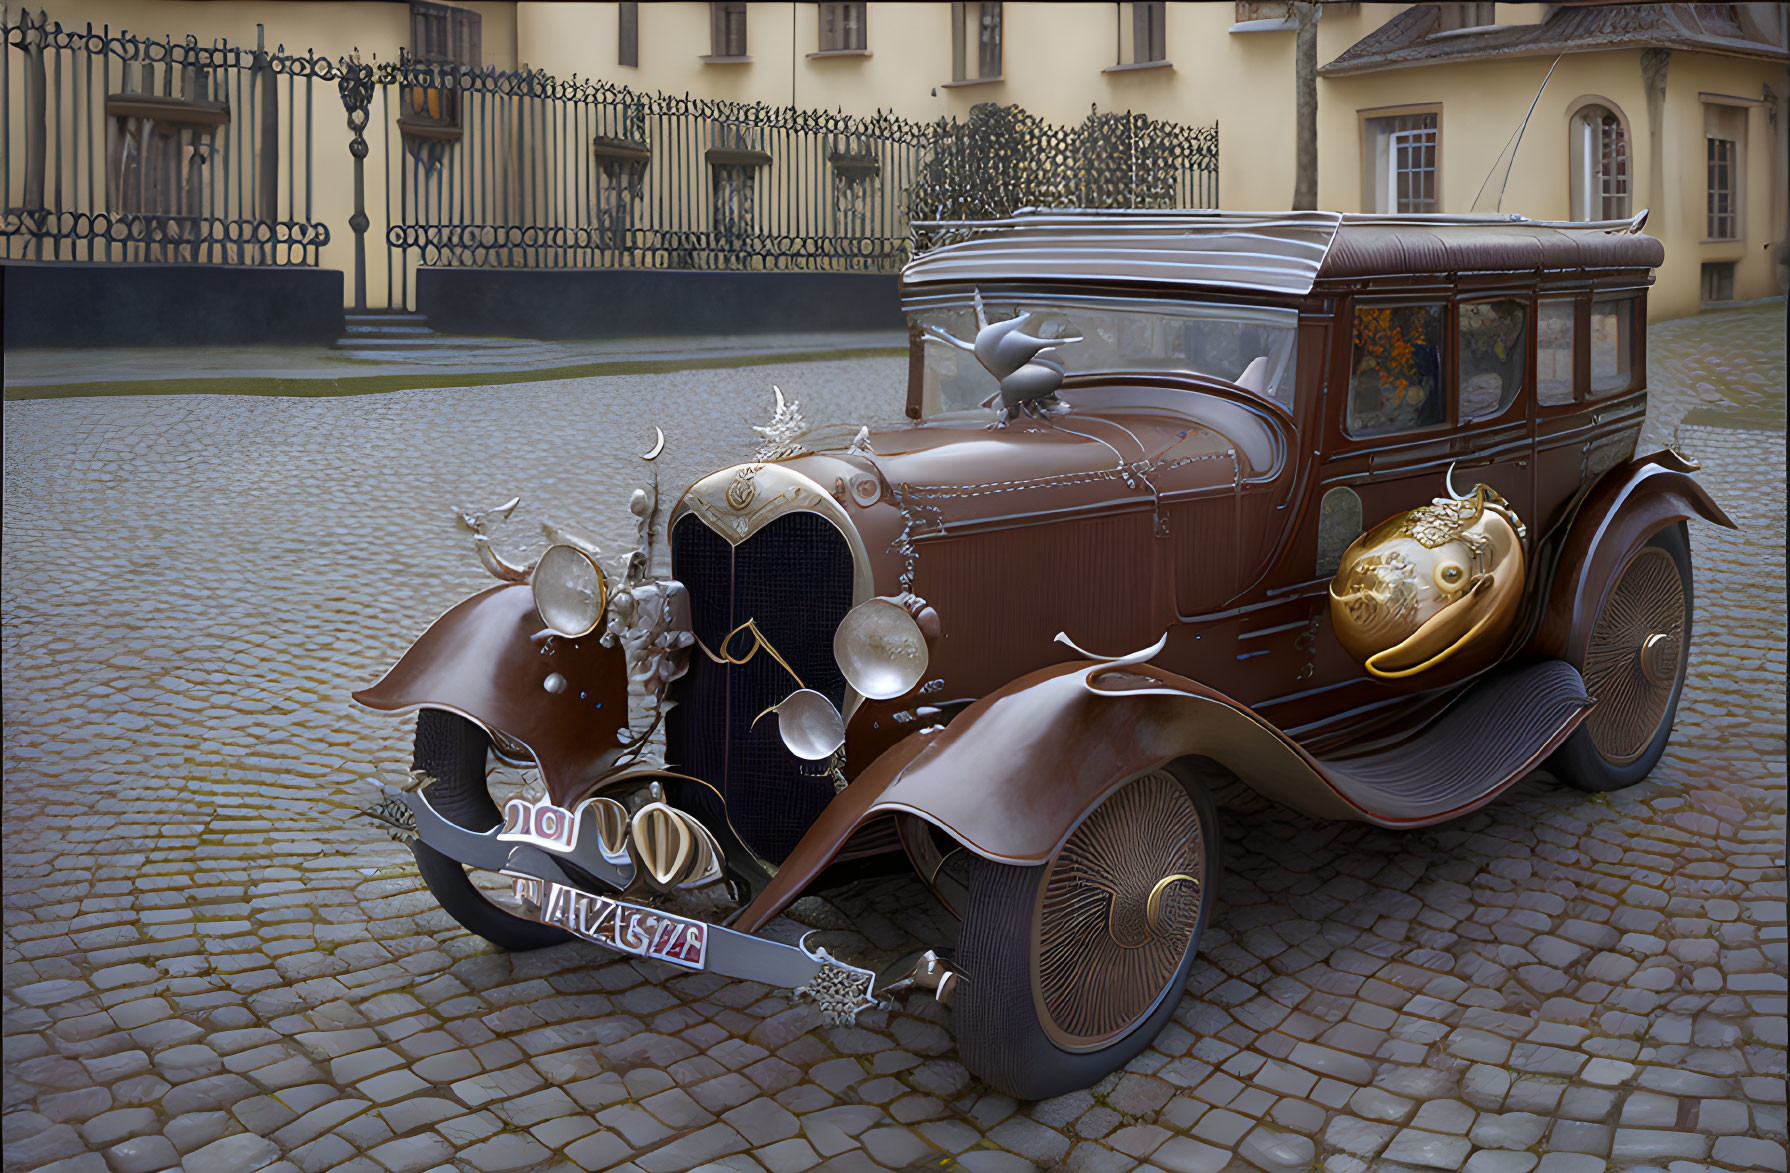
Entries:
{"x":1428,"y":583}
{"x":741,"y":490}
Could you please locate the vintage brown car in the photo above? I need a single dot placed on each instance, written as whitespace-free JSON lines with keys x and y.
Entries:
{"x":1344,"y":507}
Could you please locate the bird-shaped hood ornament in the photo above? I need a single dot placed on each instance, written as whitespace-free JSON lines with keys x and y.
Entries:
{"x":1024,"y":364}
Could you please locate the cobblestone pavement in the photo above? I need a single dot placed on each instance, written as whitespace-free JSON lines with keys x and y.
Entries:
{"x":212,"y":965}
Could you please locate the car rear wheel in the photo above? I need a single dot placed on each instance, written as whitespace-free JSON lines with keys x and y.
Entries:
{"x":452,"y":750}
{"x":1634,"y":666}
{"x":1072,"y":967}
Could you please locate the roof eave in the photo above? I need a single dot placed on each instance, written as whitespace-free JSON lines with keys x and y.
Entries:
{"x":1749,"y":50}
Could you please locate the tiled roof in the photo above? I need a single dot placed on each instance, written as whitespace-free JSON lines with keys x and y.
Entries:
{"x":1406,"y":40}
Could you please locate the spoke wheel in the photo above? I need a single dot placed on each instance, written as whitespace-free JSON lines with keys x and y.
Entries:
{"x":1071,"y":967}
{"x":1115,"y":912}
{"x":1634,"y":663}
{"x":1635,"y":658}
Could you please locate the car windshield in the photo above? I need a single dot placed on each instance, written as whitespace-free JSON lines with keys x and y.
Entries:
{"x":1249,"y":346}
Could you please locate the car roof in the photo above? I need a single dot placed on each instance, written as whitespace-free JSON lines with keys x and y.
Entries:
{"x":1276,"y":253}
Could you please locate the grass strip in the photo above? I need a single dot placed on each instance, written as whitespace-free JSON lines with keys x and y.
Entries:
{"x":379,"y":384}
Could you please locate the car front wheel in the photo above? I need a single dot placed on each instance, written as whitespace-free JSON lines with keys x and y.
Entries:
{"x":452,"y":750}
{"x":1072,"y":967}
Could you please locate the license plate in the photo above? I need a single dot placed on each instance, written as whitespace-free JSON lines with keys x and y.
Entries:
{"x":628,"y":928}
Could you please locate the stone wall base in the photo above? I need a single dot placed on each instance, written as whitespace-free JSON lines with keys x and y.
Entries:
{"x":81,"y":305}
{"x":619,"y":303}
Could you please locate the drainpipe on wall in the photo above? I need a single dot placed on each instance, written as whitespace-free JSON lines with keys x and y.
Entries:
{"x":1653,"y":77}
{"x":1305,"y":106}
{"x":1777,"y":114}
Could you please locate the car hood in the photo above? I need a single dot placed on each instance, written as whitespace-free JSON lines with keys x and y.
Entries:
{"x":1110,"y":449}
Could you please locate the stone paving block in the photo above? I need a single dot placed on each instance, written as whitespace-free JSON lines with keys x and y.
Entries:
{"x":142,"y":1154}
{"x":692,"y":1150}
{"x":505,"y":1151}
{"x":788,"y":1156}
{"x":599,"y":1150}
{"x":412,"y":1154}
{"x":762,"y":1121}
{"x":242,"y":1153}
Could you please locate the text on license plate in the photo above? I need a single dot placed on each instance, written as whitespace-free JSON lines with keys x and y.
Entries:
{"x":644,"y":932}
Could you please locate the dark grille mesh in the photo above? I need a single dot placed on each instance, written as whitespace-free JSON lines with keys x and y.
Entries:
{"x":795,"y":578}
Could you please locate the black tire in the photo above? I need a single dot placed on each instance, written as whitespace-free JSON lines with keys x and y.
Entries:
{"x":1005,"y":1034}
{"x":452,"y":750}
{"x":1622,"y":739}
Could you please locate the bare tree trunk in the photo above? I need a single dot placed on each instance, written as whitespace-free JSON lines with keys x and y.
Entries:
{"x":1305,"y":106}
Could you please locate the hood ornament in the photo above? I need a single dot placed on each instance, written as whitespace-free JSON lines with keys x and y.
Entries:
{"x":1025,"y":365}
{"x":778,"y":436}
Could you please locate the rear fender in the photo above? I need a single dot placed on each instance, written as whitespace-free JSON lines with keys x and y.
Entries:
{"x":1013,"y":775}
{"x":490,"y":660}
{"x":1631,"y":503}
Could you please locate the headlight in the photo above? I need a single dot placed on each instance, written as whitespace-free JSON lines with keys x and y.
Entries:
{"x":880,"y":649}
{"x":570,"y":592}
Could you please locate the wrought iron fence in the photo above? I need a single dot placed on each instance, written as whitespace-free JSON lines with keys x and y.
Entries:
{"x":1002,"y":159}
{"x":128,"y":148}
{"x":117,"y":147}
{"x":523,"y":169}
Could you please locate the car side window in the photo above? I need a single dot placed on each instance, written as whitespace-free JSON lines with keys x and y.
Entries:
{"x":1555,"y":320}
{"x":1395,"y":381}
{"x":1612,"y":345}
{"x":1494,"y":353}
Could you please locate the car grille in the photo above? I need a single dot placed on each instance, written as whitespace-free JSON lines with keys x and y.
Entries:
{"x":794,"y":577}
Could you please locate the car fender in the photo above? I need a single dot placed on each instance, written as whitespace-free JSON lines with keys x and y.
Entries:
{"x":1629,"y":505}
{"x":1014,"y":773}
{"x":490,"y":660}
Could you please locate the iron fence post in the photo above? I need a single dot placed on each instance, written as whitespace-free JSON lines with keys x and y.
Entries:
{"x":356,"y":86}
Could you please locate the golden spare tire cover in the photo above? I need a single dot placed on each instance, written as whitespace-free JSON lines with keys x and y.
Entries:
{"x":1425,"y":584}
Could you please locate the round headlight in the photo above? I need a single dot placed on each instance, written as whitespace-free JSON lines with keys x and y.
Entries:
{"x":880,"y":649}
{"x":570,"y":592}
{"x":809,"y":724}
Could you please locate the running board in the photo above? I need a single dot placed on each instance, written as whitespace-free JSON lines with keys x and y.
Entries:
{"x":1500,"y":730}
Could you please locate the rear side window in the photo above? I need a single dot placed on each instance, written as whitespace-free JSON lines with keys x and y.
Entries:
{"x":1494,"y":350}
{"x":1395,"y":382}
{"x":1613,"y":345}
{"x":1554,"y":325}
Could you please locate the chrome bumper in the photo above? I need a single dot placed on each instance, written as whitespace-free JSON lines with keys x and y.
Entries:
{"x":842,"y":991}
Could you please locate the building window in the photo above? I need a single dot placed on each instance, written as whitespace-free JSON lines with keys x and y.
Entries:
{"x":1396,"y":384}
{"x":1723,"y":223}
{"x":1253,"y":10}
{"x":445,"y":37}
{"x":628,"y":35}
{"x":1555,"y":323}
{"x":1612,"y":345}
{"x":1724,"y":130}
{"x":727,"y":31}
{"x":841,"y":28}
{"x":1149,"y":42}
{"x":1600,"y":165}
{"x":1450,"y":17}
{"x":1493,"y":352}
{"x":1402,"y":163}
{"x":1718,"y":281}
{"x":976,"y":42}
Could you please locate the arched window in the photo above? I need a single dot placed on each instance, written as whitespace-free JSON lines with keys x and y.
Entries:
{"x":1599,"y":165}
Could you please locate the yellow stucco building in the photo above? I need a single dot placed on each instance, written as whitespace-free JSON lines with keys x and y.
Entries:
{"x":1677,"y":109}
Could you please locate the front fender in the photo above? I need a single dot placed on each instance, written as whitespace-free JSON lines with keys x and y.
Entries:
{"x":1011,"y":777}
{"x":1630,"y":504}
{"x":482,"y":660}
